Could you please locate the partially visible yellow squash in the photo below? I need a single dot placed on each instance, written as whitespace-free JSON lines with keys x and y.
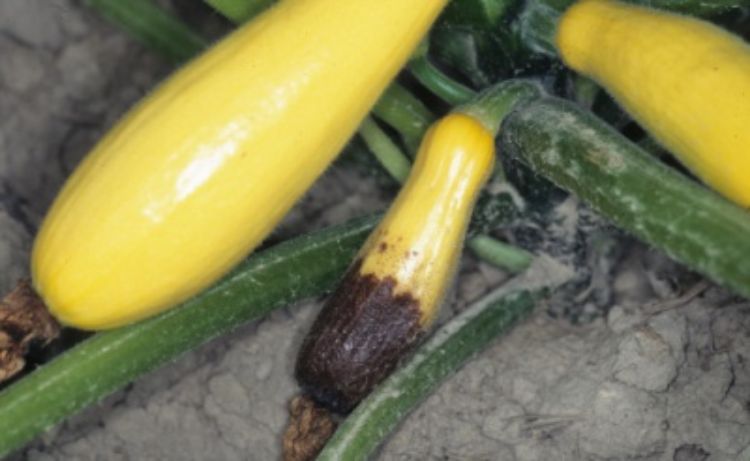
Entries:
{"x":685,"y":80}
{"x":195,"y":176}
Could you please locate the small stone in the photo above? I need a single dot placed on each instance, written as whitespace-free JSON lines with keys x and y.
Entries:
{"x":671,"y":326}
{"x":631,"y":286}
{"x":645,"y":361}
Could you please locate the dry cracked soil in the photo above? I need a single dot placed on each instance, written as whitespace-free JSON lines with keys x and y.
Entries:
{"x":662,"y":374}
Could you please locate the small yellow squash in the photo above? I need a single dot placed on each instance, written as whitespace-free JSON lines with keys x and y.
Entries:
{"x":686,"y":80}
{"x":196,"y":175}
{"x":391,"y":295}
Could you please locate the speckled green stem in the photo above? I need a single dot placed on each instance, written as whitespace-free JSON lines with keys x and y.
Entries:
{"x":451,"y":346}
{"x":302,"y":268}
{"x":584,"y":155}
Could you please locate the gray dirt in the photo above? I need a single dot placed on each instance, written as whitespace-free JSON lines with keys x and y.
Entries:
{"x":663,"y":375}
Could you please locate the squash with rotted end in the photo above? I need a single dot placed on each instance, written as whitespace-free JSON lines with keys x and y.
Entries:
{"x":196,"y":175}
{"x":685,"y":80}
{"x":390,"y":296}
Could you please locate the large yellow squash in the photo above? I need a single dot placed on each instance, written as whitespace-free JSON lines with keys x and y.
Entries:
{"x":686,"y":80}
{"x":195,"y":176}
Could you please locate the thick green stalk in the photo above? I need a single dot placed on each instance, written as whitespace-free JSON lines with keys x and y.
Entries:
{"x":153,"y":26}
{"x":449,"y":348}
{"x":584,"y":155}
{"x":492,"y":105}
{"x":301,"y":268}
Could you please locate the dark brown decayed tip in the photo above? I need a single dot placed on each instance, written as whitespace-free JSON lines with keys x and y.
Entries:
{"x":310,"y":427}
{"x":361,"y":334}
{"x":24,"y":319}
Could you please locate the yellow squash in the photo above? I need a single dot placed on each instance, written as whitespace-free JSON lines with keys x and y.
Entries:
{"x":685,"y":80}
{"x":392,"y":293}
{"x":195,"y":176}
{"x":418,"y":243}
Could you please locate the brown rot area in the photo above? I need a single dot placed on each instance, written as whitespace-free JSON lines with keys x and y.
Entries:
{"x":357,"y":340}
{"x":383,"y":247}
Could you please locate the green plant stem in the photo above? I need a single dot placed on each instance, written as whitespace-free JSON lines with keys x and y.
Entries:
{"x":659,"y":205}
{"x":495,"y":103}
{"x":153,"y":26}
{"x":239,"y":11}
{"x":437,"y":82}
{"x":500,"y":254}
{"x":298,"y":269}
{"x":385,"y":150}
{"x":404,"y":112}
{"x":451,"y":346}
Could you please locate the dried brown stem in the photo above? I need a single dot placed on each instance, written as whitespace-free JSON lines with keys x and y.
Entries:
{"x":24,"y":319}
{"x":310,"y":427}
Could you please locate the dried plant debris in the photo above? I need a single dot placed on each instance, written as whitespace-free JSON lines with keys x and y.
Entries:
{"x":309,"y":429}
{"x":24,"y":320}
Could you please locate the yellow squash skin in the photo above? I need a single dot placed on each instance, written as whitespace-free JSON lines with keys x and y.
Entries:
{"x":685,"y":80}
{"x":420,"y":239}
{"x":195,"y":176}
